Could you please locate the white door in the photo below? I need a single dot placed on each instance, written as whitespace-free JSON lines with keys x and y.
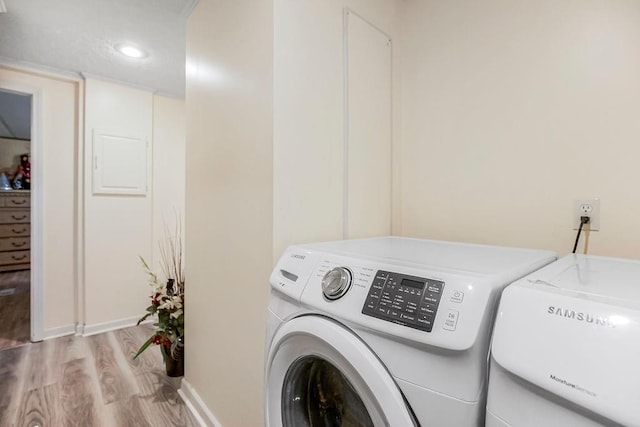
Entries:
{"x":318,"y":373}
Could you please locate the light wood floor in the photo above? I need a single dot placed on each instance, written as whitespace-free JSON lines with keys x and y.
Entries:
{"x":15,"y":308}
{"x":75,"y":381}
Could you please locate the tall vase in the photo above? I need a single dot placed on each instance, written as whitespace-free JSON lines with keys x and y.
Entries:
{"x":174,"y":361}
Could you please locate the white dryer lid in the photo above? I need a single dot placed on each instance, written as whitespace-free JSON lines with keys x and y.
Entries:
{"x":593,"y":276}
{"x":573,"y":328}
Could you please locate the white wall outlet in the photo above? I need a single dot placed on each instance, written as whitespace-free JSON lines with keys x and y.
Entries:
{"x":587,"y":207}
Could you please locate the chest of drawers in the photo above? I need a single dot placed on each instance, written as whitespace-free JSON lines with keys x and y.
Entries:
{"x":15,"y":230}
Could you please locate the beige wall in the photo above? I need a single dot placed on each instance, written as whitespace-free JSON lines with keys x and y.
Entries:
{"x":236,"y":177}
{"x":117,"y":228}
{"x":309,"y":118}
{"x":168,"y":169}
{"x":512,"y":110}
{"x":120,"y":228}
{"x":59,"y":144}
{"x":229,"y":204}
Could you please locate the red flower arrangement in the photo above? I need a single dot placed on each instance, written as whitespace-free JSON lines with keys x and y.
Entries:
{"x":167,"y":299}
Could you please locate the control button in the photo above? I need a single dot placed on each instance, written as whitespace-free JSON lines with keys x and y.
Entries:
{"x":425,"y":320}
{"x":371,"y":302}
{"x":430,"y":298}
{"x":433,"y":288}
{"x":336,"y":282}
{"x":457,"y":296}
{"x":408,"y":317}
{"x":427,"y":309}
{"x":451,"y":320}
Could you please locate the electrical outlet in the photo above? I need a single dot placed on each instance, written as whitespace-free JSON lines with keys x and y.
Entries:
{"x":587,"y":207}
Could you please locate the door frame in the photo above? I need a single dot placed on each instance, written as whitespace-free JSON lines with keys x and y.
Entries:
{"x":36,"y":289}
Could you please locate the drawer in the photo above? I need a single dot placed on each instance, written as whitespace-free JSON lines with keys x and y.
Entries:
{"x":14,"y":243}
{"x":15,"y":216}
{"x":16,"y":201}
{"x":15,"y":230}
{"x":15,"y":257}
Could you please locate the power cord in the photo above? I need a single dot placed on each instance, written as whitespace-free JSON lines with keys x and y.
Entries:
{"x":583,"y":220}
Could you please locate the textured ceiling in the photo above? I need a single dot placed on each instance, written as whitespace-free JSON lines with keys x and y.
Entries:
{"x":78,"y":36}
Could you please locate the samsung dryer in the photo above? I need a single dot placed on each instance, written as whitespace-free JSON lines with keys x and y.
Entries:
{"x":566,"y":347}
{"x":384,"y":331}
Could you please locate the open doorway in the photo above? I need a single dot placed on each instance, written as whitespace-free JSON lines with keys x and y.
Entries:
{"x":15,"y":218}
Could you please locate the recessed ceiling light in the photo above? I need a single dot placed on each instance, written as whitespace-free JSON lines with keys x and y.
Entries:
{"x":130,"y":50}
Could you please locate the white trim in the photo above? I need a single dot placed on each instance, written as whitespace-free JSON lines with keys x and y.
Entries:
{"x":196,"y":405}
{"x":99,"y":328}
{"x":37,"y":228}
{"x":345,"y":124}
{"x":41,"y":70}
{"x":59,"y":332}
{"x":91,"y":76}
{"x":37,"y":327}
{"x":79,"y":186}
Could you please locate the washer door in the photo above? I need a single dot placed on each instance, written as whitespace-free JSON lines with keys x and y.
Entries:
{"x":319,"y":373}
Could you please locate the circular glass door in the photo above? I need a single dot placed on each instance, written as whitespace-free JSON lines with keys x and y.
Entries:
{"x":320,"y":374}
{"x":316,"y":393}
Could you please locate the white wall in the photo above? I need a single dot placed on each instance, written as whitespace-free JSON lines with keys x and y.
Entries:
{"x":59,"y":144}
{"x":512,"y":110}
{"x":229,"y":204}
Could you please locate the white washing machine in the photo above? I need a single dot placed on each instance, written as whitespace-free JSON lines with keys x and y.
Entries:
{"x":385,"y":331}
{"x":566,"y":347}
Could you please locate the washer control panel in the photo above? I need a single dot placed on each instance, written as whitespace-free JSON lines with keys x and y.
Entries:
{"x":407,"y":300}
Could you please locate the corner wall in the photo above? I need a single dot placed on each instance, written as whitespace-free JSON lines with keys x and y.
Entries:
{"x":264,"y":170}
{"x":309,"y":116}
{"x":117,"y":228}
{"x":512,"y":110}
{"x":168,"y":170}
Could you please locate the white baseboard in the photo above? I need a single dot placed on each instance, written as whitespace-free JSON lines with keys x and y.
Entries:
{"x":59,"y":332}
{"x":197,"y":406}
{"x":99,"y":328}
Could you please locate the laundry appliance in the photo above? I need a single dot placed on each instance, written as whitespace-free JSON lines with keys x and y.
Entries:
{"x":566,"y":347}
{"x":385,"y":331}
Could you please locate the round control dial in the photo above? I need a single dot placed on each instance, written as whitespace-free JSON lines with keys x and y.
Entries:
{"x":336,"y":282}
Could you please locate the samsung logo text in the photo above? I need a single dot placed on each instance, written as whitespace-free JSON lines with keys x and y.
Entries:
{"x":579,"y":316}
